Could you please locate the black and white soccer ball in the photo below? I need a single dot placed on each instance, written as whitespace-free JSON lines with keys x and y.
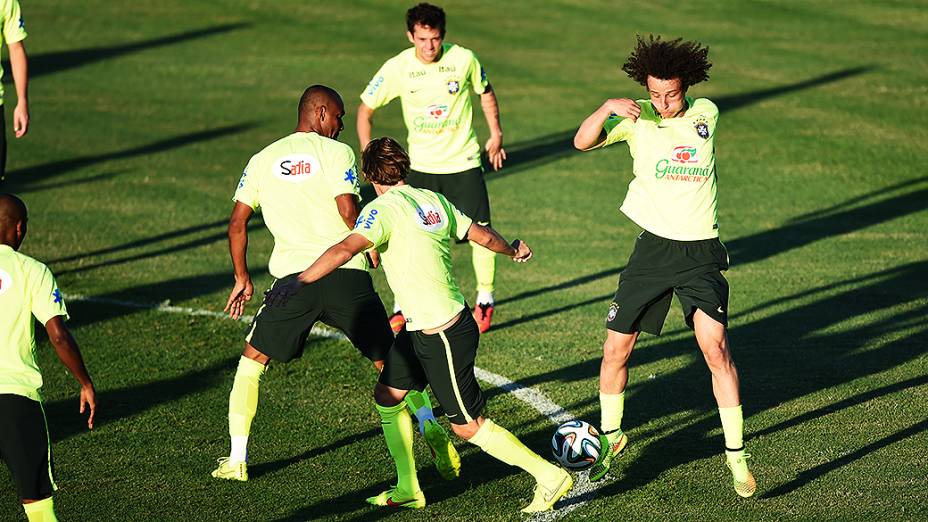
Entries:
{"x":575,"y":444}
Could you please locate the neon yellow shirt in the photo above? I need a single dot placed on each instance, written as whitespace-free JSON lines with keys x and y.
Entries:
{"x":27,"y":289}
{"x":13,"y":28}
{"x":412,"y":228}
{"x":436,"y":104}
{"x":673,"y":193}
{"x":295,"y":181}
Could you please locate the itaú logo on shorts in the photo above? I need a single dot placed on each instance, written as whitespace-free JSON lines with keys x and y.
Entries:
{"x":6,"y":282}
{"x":684,"y":154}
{"x":296,"y":168}
{"x":437,"y":111}
{"x":429,"y":218}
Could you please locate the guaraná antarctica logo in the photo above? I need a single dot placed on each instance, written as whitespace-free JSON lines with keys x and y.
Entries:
{"x":435,"y":120}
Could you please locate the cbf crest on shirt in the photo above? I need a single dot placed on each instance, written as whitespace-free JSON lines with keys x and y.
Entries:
{"x":437,"y":107}
{"x":295,"y":181}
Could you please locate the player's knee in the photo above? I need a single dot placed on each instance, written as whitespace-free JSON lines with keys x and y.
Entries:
{"x":465,"y":431}
{"x":717,"y":355}
{"x":617,"y":350}
{"x":386,"y":396}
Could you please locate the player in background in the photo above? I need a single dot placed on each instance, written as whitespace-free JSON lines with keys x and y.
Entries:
{"x":28,"y":289}
{"x":434,"y":80}
{"x":13,"y":31}
{"x":672,"y":197}
{"x":413,"y":228}
{"x":307,"y":186}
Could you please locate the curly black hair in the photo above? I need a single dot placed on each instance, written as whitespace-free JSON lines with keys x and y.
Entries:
{"x":688,"y":61}
{"x":427,"y":15}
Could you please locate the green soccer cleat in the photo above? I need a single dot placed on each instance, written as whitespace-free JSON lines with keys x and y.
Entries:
{"x":607,"y":453}
{"x":231,"y":470}
{"x":444,"y":455}
{"x":546,"y":495}
{"x":398,"y":499}
{"x":742,"y":479}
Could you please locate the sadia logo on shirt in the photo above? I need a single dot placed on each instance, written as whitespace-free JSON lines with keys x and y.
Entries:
{"x":437,"y":111}
{"x":429,"y":218}
{"x":6,"y":282}
{"x":684,"y":154}
{"x":296,"y":168}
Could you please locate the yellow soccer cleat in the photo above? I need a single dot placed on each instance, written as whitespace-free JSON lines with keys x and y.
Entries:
{"x":546,"y":495}
{"x":444,"y":455}
{"x":231,"y":470}
{"x":742,"y":479}
{"x":398,"y":499}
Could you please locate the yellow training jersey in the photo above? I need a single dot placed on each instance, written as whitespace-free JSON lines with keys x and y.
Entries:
{"x":12,"y":27}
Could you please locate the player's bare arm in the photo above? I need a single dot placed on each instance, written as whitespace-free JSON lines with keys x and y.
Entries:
{"x":364,"y":124}
{"x":336,"y":256}
{"x":590,"y":134}
{"x":20,"y":66}
{"x":238,"y":247}
{"x":349,"y":210}
{"x":494,"y":146}
{"x":490,"y":239}
{"x":67,"y":350}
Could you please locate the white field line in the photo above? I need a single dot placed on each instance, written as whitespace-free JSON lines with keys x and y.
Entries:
{"x":534,"y":398}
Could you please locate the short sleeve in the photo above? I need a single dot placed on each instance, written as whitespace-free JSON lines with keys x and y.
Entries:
{"x":617,"y":129}
{"x":342,"y":177}
{"x":47,"y":301}
{"x":478,"y":75}
{"x":461,"y":221}
{"x":247,"y":191}
{"x":374,"y":224}
{"x":14,"y":27}
{"x":384,"y":86}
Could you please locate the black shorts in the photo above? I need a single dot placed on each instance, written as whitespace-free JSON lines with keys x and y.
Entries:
{"x":444,"y":361}
{"x":660,"y":267}
{"x":344,"y":299}
{"x":26,"y":447}
{"x":465,"y":190}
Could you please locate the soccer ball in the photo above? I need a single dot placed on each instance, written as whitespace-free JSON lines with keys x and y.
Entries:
{"x":575,"y":444}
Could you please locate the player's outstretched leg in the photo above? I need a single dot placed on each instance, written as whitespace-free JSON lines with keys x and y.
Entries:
{"x":444,"y":455}
{"x":243,"y":403}
{"x":553,"y":482}
{"x":397,"y":430}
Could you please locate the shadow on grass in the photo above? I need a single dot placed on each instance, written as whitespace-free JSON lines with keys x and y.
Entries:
{"x":59,"y":61}
{"x":264,"y":468}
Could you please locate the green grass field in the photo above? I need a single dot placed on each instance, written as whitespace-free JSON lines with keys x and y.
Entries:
{"x":144,"y":113}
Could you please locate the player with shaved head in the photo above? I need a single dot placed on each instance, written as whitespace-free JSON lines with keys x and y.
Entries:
{"x":28,"y":289}
{"x":672,"y":198}
{"x":306,"y":185}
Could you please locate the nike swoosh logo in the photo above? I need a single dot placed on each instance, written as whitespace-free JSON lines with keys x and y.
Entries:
{"x":721,"y":311}
{"x":391,"y":503}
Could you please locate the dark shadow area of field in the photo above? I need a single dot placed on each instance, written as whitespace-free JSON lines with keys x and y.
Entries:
{"x":253,"y":226}
{"x":133,"y":400}
{"x":58,"y":61}
{"x":813,"y":473}
{"x":141,"y":242}
{"x":23,"y":178}
{"x":552,"y":147}
{"x":102,"y":176}
{"x":263,"y":468}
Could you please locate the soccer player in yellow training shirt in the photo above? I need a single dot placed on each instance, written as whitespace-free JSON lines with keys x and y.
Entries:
{"x":307,"y":187}
{"x":433,"y":80}
{"x":412,"y":229}
{"x":13,"y":32}
{"x":28,"y":289}
{"x":672,"y":197}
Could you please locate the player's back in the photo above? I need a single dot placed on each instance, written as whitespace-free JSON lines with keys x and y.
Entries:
{"x":27,"y":288}
{"x":295,"y":181}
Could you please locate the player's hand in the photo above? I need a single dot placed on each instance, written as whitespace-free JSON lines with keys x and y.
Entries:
{"x":89,"y":401}
{"x":523,"y":252}
{"x":21,"y":120}
{"x":281,"y":293}
{"x":623,"y":107}
{"x":496,"y":154}
{"x":241,"y":293}
{"x":373,"y":257}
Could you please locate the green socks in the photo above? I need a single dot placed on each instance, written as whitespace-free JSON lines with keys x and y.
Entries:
{"x":397,"y":430}
{"x":41,"y":511}
{"x":612,"y":407}
{"x":497,"y":442}
{"x":420,"y":405}
{"x":733,"y":427}
{"x":484,"y":261}
{"x":243,"y":403}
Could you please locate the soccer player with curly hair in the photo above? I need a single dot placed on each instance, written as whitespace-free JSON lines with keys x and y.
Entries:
{"x":672,"y":198}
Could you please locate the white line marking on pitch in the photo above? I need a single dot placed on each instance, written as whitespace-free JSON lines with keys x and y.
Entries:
{"x":534,"y":398}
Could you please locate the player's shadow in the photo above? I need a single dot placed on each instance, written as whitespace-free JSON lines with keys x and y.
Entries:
{"x":263,"y":468}
{"x":102,"y":176}
{"x":545,"y":149}
{"x":133,"y":400}
{"x":42,"y":64}
{"x":27,"y":176}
